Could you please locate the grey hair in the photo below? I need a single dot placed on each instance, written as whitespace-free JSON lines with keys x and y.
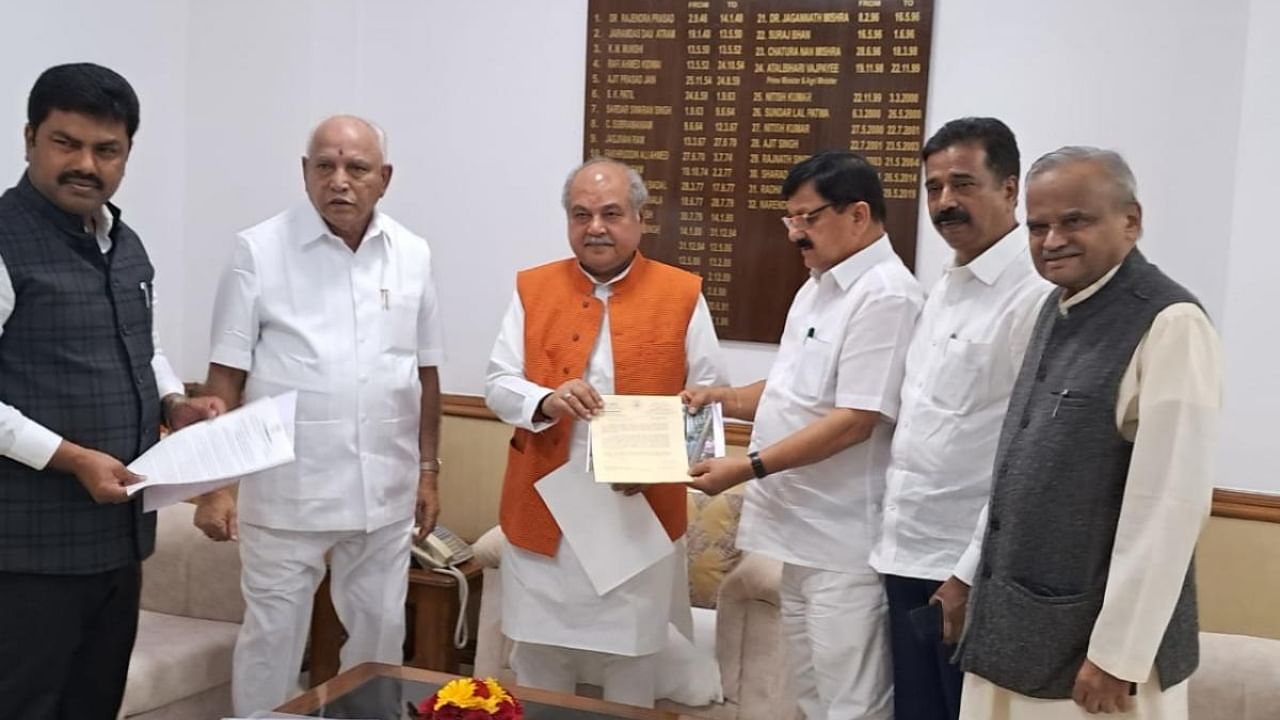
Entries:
{"x":378,"y":132}
{"x":639,"y":194}
{"x":1126,"y":187}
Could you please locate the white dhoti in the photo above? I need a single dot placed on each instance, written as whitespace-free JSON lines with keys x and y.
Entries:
{"x":281,"y":570}
{"x":983,"y":700}
{"x":837,"y":630}
{"x":562,"y":626}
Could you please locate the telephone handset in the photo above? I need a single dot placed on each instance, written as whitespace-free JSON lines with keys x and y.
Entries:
{"x":441,"y":551}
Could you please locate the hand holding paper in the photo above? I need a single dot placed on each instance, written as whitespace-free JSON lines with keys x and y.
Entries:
{"x":650,"y":439}
{"x":208,"y":455}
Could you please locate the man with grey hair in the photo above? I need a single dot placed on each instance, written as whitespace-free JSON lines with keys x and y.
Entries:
{"x":335,"y":301}
{"x":606,"y":321}
{"x":1085,"y":596}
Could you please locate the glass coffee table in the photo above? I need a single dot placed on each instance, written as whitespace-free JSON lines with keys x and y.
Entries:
{"x":381,"y":692}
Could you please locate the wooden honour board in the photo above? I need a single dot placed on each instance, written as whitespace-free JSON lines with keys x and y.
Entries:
{"x":713,"y":101}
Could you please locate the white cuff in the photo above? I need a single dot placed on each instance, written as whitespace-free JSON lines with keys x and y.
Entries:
{"x":967,"y":565}
{"x":531,"y":402}
{"x":34,"y":445}
{"x":430,"y":358}
{"x":231,"y":357}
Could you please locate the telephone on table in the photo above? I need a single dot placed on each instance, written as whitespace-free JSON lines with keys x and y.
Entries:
{"x":441,"y":551}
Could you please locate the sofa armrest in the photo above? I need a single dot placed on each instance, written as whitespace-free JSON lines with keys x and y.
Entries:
{"x":1238,"y":678}
{"x":755,"y":577}
{"x":190,"y":575}
{"x":488,"y":548}
{"x":749,"y":643}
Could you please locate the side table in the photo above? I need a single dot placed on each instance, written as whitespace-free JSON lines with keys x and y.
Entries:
{"x":432,"y":610}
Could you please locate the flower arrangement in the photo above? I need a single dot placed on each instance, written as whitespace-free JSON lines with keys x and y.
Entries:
{"x":470,"y":699}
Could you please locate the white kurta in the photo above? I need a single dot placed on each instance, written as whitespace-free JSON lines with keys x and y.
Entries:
{"x":843,"y":346}
{"x":298,"y":310}
{"x":550,"y":600}
{"x":1167,"y":405}
{"x":964,"y":357}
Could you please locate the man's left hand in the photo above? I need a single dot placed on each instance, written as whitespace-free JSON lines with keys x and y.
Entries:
{"x":427,"y":508}
{"x":716,"y":475}
{"x":1098,"y":691}
{"x":181,"y":411}
{"x":953,"y":596}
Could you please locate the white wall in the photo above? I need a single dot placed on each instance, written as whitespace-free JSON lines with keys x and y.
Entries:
{"x":482,"y":101}
{"x":153,"y":59}
{"x":1248,"y":458}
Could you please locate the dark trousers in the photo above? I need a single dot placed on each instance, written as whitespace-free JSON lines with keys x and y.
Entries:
{"x":65,"y":642}
{"x":926,"y":686}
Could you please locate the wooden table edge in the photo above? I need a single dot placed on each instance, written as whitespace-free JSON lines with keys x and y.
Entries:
{"x":345,"y":682}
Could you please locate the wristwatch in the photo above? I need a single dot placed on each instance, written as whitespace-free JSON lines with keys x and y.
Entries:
{"x":757,"y":465}
{"x":431,"y":465}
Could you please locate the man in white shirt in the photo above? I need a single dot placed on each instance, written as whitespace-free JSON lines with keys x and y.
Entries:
{"x":963,"y":358}
{"x":334,"y":300}
{"x":607,"y":321}
{"x":820,"y":445}
{"x":1085,"y":600}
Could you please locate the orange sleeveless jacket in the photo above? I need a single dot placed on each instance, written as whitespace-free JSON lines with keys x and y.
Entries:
{"x":649,"y":312}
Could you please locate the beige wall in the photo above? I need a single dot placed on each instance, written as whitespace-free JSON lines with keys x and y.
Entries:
{"x":1238,"y":561}
{"x":1238,"y":570}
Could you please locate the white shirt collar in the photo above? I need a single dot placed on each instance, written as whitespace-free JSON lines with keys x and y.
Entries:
{"x":847,"y":271}
{"x":103,"y":221}
{"x":988,"y":266}
{"x":612,"y":280}
{"x":317,"y":229}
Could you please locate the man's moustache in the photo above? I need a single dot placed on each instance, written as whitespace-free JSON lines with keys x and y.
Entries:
{"x":951,"y":215}
{"x":1048,"y":255}
{"x":67,"y":178}
{"x":604,"y":240}
{"x":804,"y":243}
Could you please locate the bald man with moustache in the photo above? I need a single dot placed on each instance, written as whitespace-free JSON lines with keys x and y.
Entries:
{"x":333,"y":300}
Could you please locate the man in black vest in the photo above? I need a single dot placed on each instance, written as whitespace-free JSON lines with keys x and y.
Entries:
{"x":81,"y":382}
{"x":1085,"y":598}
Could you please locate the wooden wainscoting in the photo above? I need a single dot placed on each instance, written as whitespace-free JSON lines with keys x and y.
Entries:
{"x":1237,"y":504}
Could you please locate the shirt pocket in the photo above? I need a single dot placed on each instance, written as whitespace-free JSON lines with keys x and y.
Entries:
{"x":400,"y":323}
{"x":813,"y":368}
{"x":962,"y":382}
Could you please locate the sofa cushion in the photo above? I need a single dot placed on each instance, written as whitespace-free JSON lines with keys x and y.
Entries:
{"x":1238,"y":679}
{"x":711,"y":543}
{"x":176,"y":657}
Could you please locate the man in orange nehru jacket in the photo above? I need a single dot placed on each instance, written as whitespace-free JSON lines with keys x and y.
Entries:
{"x":608,"y":321}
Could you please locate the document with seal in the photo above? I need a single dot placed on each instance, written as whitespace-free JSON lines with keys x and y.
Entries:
{"x":207,"y":455}
{"x":640,"y":440}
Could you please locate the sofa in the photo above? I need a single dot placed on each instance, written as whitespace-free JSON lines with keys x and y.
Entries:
{"x":191,"y":613}
{"x":1238,"y":679}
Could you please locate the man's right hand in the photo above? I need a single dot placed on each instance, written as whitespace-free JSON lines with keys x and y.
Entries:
{"x":696,"y":398}
{"x":102,"y":475}
{"x":574,"y":398}
{"x":216,"y":515}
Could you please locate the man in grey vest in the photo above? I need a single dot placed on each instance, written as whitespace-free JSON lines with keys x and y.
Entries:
{"x":83,"y":390}
{"x":1085,"y":599}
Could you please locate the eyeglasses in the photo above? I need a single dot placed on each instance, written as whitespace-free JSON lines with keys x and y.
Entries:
{"x":805,"y":221}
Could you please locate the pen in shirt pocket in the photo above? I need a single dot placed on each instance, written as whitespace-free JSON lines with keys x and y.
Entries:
{"x":146,"y":293}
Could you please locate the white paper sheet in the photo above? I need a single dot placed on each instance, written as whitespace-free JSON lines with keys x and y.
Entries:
{"x":207,"y":455}
{"x":639,"y":439}
{"x":614,"y":536}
